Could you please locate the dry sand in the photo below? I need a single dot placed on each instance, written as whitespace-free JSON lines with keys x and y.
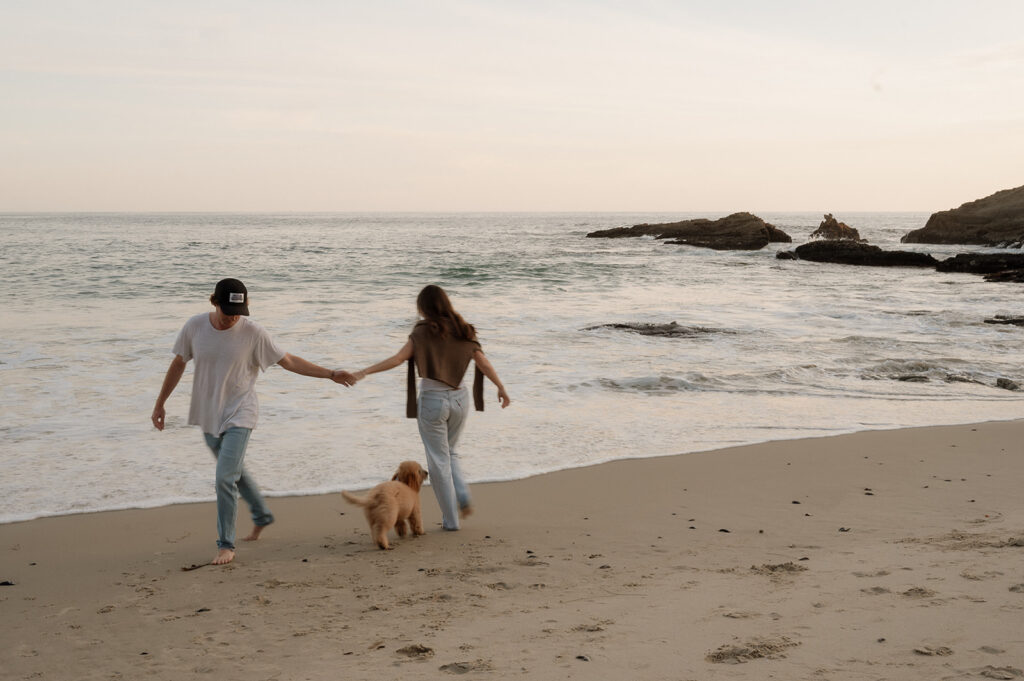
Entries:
{"x":879,"y":555}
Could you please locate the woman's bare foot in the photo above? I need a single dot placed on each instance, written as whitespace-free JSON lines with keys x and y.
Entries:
{"x":224,"y":556}
{"x":465,"y":511}
{"x":257,"y":530}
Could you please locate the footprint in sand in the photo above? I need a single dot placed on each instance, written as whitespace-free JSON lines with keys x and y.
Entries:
{"x":779,"y":569}
{"x":466,"y":667}
{"x":990,"y":672}
{"x":500,"y":586}
{"x":416,"y":651}
{"x":753,"y":649}
{"x":876,"y":591}
{"x":593,"y":628}
{"x":980,"y":576}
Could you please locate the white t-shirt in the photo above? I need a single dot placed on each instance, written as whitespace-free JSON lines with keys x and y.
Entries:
{"x":227,"y":364}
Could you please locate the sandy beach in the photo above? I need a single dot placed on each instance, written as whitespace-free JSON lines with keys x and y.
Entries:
{"x":877,"y":555}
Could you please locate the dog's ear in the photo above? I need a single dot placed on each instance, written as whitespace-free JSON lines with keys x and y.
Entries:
{"x":395,"y":476}
{"x":412,"y":480}
{"x":416,"y":478}
{"x":403,"y":474}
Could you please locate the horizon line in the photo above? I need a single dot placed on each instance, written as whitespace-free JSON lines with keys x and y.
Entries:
{"x":440,"y":212}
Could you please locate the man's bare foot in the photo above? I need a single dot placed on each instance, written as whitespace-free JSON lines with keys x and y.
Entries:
{"x":257,"y":530}
{"x":224,"y":556}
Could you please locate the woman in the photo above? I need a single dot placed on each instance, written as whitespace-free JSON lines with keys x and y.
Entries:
{"x":441,"y":346}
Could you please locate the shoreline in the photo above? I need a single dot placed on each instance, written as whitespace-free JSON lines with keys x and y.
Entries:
{"x":876,"y":554}
{"x":271,"y":494}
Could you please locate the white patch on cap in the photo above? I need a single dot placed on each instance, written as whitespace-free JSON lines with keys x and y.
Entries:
{"x":236,"y":297}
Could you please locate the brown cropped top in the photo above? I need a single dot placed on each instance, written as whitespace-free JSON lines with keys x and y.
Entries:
{"x":442,"y":359}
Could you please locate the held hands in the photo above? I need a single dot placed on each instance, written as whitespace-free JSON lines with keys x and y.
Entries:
{"x":345,"y":378}
{"x":349,"y":379}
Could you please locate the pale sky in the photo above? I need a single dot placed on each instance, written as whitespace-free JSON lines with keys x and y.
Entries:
{"x":517,"y":105}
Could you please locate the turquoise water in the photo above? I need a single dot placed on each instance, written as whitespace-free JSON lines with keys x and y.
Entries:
{"x":91,"y":305}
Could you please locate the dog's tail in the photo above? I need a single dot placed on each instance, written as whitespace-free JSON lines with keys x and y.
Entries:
{"x":353,"y":499}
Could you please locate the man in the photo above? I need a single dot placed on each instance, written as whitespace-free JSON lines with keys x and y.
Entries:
{"x":229,"y":352}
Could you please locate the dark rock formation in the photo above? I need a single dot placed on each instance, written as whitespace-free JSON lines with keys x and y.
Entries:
{"x":830,"y":228}
{"x":958,"y":378}
{"x":996,"y":220}
{"x":1003,"y":319}
{"x":982,"y":263}
{"x":739,"y":231}
{"x":621,"y":232}
{"x":1012,"y":276}
{"x":672,"y":329}
{"x":857,"y":253}
{"x":1007,"y":384}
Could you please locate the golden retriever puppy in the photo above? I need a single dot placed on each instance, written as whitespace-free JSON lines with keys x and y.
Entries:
{"x":392,"y":503}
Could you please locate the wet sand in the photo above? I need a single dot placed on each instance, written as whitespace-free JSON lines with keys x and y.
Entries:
{"x":878,"y":555}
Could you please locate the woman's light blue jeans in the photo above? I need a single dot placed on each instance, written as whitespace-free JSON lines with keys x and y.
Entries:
{"x":442,"y":415}
{"x":232,"y":480}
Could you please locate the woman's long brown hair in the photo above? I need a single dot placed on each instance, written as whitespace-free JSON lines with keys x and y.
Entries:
{"x":436,"y":308}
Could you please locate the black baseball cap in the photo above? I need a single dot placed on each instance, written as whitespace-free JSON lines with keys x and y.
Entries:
{"x":232,"y":297}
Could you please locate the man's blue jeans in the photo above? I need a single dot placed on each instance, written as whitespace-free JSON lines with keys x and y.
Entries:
{"x":232,"y":480}
{"x":441,"y":417}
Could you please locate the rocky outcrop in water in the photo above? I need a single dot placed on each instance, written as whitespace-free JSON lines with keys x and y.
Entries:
{"x":982,"y":263}
{"x":1010,"y":276}
{"x":739,"y":231}
{"x":1003,"y":319}
{"x":636,"y":230}
{"x":996,"y":267}
{"x":671,"y":330}
{"x":857,"y":253}
{"x":996,"y":220}
{"x":1007,"y":384}
{"x":832,"y":229}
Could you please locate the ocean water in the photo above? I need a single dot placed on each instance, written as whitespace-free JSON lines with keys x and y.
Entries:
{"x":91,"y":305}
